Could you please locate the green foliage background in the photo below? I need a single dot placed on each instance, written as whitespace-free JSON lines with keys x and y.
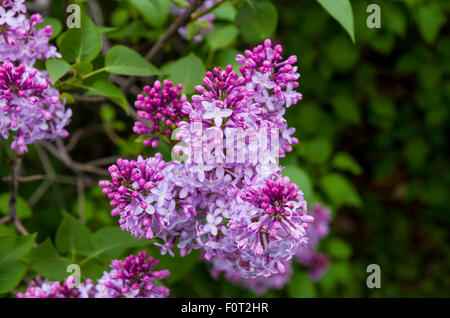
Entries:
{"x":373,"y":129}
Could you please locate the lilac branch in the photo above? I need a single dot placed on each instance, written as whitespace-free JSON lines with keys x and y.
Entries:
{"x":15,"y":176}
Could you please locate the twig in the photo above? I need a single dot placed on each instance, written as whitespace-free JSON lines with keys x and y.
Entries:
{"x":19,"y":226}
{"x":45,"y":160}
{"x":182,"y":20}
{"x":15,"y":175}
{"x":89,"y":99}
{"x":171,"y":31}
{"x":103,"y":161}
{"x":40,"y":191}
{"x":79,"y":133}
{"x":81,"y":199}
{"x":5,"y":219}
{"x":76,"y":167}
{"x":36,"y":177}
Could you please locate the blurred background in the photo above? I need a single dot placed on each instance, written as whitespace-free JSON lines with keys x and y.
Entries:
{"x":373,"y":127}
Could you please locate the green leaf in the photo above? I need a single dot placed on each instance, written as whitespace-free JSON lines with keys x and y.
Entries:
{"x":82,"y":68}
{"x":342,"y":53}
{"x":395,"y":17}
{"x":125,"y":61}
{"x":431,"y":17}
{"x":11,"y":273}
{"x":154,"y":12}
{"x":23,"y":210}
{"x":14,"y":247}
{"x":193,"y":28}
{"x":257,"y":20}
{"x":180,"y":3}
{"x":120,"y":16}
{"x":47,"y":262}
{"x":81,"y":44}
{"x":222,"y":36}
{"x":109,"y":242}
{"x":416,"y":151}
{"x":54,"y":23}
{"x":92,"y":270}
{"x":339,"y":190}
{"x":341,"y":10}
{"x":339,"y":249}
{"x":338,"y":272}
{"x":345,"y":162}
{"x":56,"y":69}
{"x":346,"y":108}
{"x":73,"y":237}
{"x":188,"y":71}
{"x":225,"y":12}
{"x":109,"y":90}
{"x":69,"y":98}
{"x":301,"y":179}
{"x":316,"y":150}
{"x":6,"y":246}
{"x":301,"y":286}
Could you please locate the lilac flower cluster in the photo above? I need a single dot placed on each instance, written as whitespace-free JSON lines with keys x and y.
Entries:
{"x":132,"y":278}
{"x":274,"y":82}
{"x":31,"y":109}
{"x":160,"y":106}
{"x":129,"y":278}
{"x":263,"y":230}
{"x":204,"y":22}
{"x":247,"y":219}
{"x":49,"y":289}
{"x":21,"y":41}
{"x":315,"y":262}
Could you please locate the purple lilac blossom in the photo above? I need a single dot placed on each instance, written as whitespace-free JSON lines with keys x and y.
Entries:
{"x":315,"y":262}
{"x":241,"y":212}
{"x":130,"y":278}
{"x":20,"y":40}
{"x":49,"y":289}
{"x":264,"y":228}
{"x":160,"y":106}
{"x":30,"y":108}
{"x":274,"y":82}
{"x":153,"y":199}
